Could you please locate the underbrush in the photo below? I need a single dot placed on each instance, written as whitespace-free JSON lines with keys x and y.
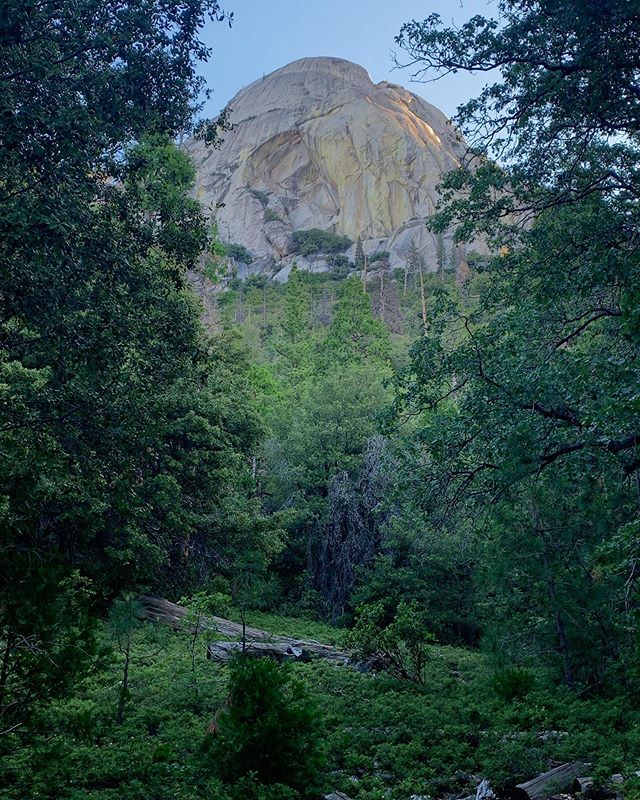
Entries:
{"x":384,"y":738}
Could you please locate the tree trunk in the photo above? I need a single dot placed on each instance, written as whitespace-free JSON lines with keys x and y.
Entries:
{"x":4,"y":671}
{"x":225,"y":651}
{"x":125,"y":684}
{"x":553,"y":782}
{"x":157,"y":609}
{"x":561,"y":633}
{"x":423,"y":300}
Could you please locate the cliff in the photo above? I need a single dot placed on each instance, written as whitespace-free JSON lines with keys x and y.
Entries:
{"x":317,"y":144}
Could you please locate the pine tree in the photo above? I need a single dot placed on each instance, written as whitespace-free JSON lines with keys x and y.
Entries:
{"x":354,"y":333}
{"x":270,"y":728}
{"x":416,"y":264}
{"x":295,"y":343}
{"x":297,"y":311}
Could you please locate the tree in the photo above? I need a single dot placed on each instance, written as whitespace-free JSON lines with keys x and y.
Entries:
{"x":536,"y":359}
{"x":440,"y":253}
{"x":383,"y":265}
{"x":296,"y":321}
{"x":269,"y":728}
{"x":399,"y":645}
{"x":351,"y":535}
{"x":567,"y":90}
{"x":124,"y":620}
{"x":309,"y":242}
{"x":359,"y":256}
{"x":354,"y":334}
{"x":49,"y":635}
{"x":320,"y":425}
{"x":539,"y":427}
{"x":122,"y":453}
{"x":415,"y":264}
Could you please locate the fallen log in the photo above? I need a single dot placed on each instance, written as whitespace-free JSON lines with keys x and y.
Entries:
{"x":556,"y":780}
{"x":583,"y":785}
{"x":224,"y":651}
{"x":157,"y":609}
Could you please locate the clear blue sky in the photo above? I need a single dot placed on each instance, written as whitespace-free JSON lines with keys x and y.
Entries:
{"x":268,"y":34}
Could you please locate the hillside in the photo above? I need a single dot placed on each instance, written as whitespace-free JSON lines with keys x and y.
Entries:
{"x":384,"y":739}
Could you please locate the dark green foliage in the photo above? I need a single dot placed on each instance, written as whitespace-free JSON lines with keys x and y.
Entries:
{"x":157,"y":180}
{"x":565,"y":88}
{"x":238,"y":252}
{"x":397,"y":643}
{"x":340,"y":264}
{"x":271,"y":216}
{"x":307,"y":243}
{"x":268,"y":728}
{"x":48,"y":635}
{"x":434,"y":568}
{"x":513,"y":683}
{"x":495,"y":504}
{"x":84,"y":101}
{"x":532,"y":447}
{"x":324,"y":361}
{"x":124,"y":621}
{"x":121,"y":450}
{"x":211,"y":131}
{"x":394,"y":736}
{"x":296,"y":317}
{"x":354,"y":335}
{"x":380,"y":255}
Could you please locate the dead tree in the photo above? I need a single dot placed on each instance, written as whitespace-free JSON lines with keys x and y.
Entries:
{"x":552,"y":782}
{"x":350,"y":536}
{"x":157,"y":609}
{"x":416,"y":263}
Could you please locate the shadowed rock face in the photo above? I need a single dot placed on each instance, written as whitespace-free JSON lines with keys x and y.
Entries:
{"x":317,"y":144}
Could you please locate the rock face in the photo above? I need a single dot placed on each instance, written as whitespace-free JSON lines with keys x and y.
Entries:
{"x":317,"y":144}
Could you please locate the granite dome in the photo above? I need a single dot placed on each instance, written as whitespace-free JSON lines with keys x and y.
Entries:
{"x":317,"y":144}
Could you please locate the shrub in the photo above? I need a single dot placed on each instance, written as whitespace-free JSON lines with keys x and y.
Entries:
{"x":513,"y":683}
{"x":263,"y":197}
{"x":271,"y":216}
{"x":381,"y":255}
{"x":269,"y":728}
{"x":238,"y":252}
{"x":399,"y":645}
{"x":256,"y":281}
{"x":340,"y":264}
{"x":313,"y":241}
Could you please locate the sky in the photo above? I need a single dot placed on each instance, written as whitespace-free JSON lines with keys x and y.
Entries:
{"x":267,"y":34}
